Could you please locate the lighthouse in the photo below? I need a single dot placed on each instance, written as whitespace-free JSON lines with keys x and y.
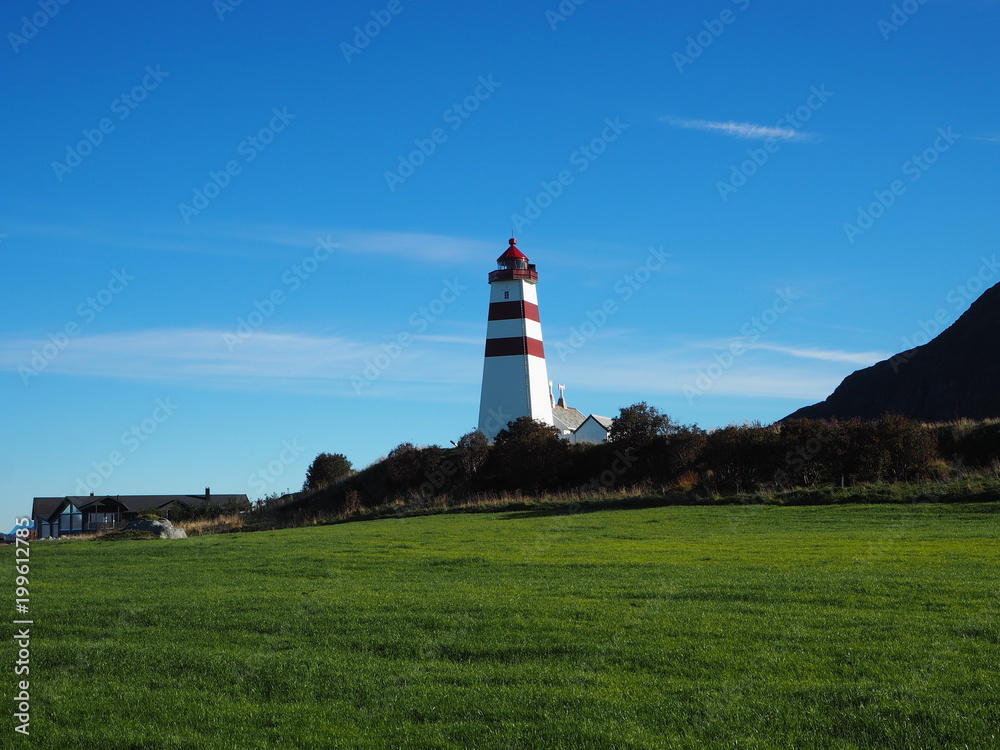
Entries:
{"x":515,"y":379}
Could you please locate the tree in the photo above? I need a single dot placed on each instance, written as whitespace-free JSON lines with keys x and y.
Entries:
{"x":473,"y":449}
{"x":638,"y":425}
{"x":403,"y":465}
{"x":528,"y":455}
{"x":326,"y":469}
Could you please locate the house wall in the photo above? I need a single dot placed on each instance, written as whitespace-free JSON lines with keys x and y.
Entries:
{"x":590,"y":431}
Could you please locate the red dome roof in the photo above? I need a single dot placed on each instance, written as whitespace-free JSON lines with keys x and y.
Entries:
{"x":512,"y":253}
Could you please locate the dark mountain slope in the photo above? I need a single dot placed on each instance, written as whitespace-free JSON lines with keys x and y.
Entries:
{"x":955,"y":375}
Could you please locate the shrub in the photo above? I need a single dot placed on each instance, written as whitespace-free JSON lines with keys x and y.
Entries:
{"x":528,"y":455}
{"x":326,"y":469}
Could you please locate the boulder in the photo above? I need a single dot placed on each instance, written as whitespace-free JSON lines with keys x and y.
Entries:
{"x":162,"y":528}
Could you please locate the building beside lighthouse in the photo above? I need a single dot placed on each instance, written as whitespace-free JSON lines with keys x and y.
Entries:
{"x":515,"y":376}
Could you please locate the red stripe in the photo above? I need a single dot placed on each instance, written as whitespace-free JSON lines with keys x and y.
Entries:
{"x":514,"y":347}
{"x":516,"y":310}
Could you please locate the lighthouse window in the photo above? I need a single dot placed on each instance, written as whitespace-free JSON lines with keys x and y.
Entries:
{"x":506,"y":295}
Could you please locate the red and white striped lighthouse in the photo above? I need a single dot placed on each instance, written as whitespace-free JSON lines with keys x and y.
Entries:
{"x":515,"y":380}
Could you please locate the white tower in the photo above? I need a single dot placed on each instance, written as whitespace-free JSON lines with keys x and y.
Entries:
{"x":515,"y":380}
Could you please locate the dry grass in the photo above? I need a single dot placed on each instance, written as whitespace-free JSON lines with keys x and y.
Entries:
{"x":220,"y":525}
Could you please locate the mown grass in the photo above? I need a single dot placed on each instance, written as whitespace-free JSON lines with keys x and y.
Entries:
{"x":860,"y":626}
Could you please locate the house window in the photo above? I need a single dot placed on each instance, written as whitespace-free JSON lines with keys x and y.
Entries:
{"x":98,"y":520}
{"x":506,"y":295}
{"x":71,"y":519}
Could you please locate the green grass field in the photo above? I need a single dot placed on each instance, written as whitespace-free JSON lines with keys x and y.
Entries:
{"x":677,"y":627}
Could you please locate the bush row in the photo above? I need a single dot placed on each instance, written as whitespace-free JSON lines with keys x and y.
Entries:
{"x":646,"y":448}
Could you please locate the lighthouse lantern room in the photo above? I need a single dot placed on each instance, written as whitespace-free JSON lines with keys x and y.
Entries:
{"x":515,"y":379}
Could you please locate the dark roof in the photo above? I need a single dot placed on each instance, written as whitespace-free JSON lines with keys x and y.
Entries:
{"x":569,"y":416}
{"x":46,"y":507}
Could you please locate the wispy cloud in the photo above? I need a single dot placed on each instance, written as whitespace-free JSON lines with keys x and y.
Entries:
{"x":742,"y":130}
{"x":865,"y":359}
{"x":286,"y":362}
{"x":665,"y":373}
{"x":983,"y":138}
{"x":264,"y":240}
{"x":445,"y":366}
{"x":664,"y":368}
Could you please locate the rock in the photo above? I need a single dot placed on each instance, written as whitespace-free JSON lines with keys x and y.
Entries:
{"x":162,"y":528}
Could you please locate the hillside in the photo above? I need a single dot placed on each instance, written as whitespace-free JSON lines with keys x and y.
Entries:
{"x":953,"y":376}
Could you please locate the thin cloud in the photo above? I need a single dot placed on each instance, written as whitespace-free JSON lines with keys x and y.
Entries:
{"x":984,"y":138}
{"x":664,"y":369}
{"x":287,"y":362}
{"x":265,"y":240}
{"x":667,"y":373}
{"x":741,"y":130}
{"x":865,"y":359}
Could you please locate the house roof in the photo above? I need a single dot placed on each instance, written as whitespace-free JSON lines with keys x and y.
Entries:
{"x":604,"y":422}
{"x":568,"y":416}
{"x":46,"y":507}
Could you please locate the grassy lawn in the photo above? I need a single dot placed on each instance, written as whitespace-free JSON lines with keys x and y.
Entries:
{"x":685,"y":627}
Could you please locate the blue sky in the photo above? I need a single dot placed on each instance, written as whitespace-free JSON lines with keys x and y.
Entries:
{"x":215,"y":217}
